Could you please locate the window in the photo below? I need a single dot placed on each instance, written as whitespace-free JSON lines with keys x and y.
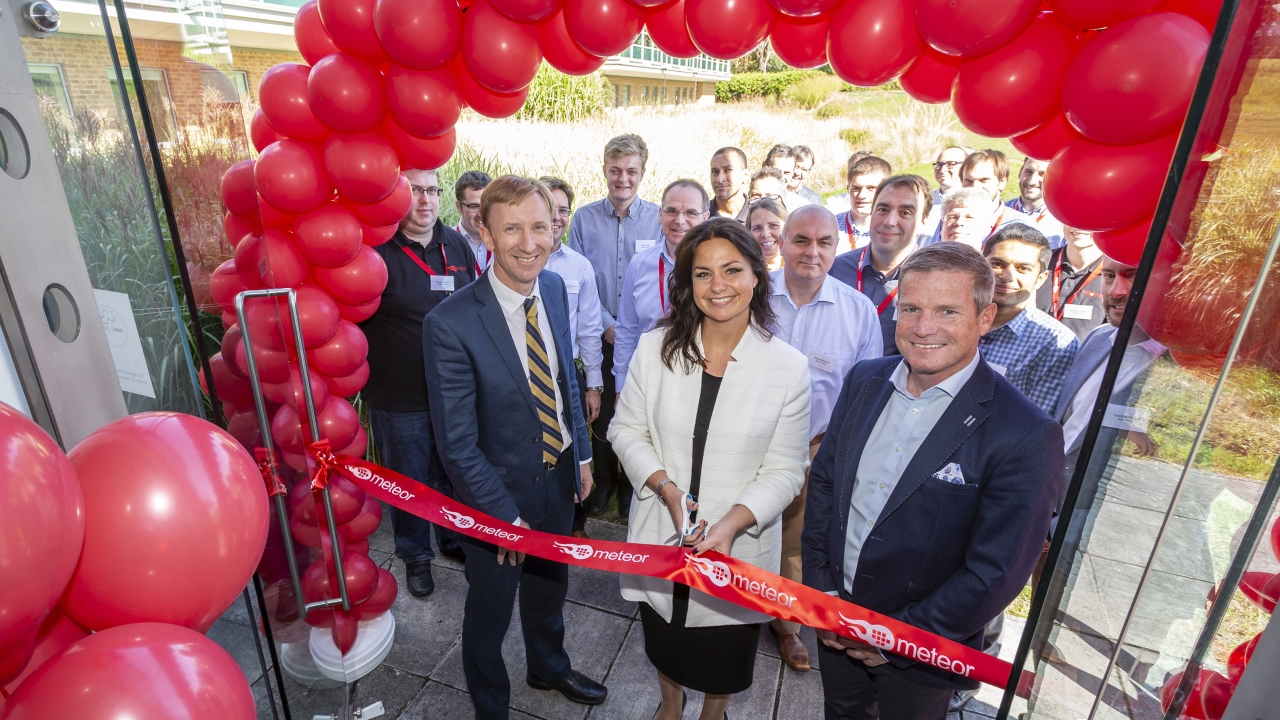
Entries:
{"x":242,"y":83}
{"x":156,"y":85}
{"x":51,"y":84}
{"x":221,"y":86}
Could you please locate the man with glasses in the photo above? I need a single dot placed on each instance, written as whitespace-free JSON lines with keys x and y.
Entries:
{"x":804,"y":165}
{"x":854,"y":224}
{"x":426,"y":262}
{"x":644,"y":293}
{"x":466,"y":194}
{"x":585,"y":325}
{"x":946,"y":171}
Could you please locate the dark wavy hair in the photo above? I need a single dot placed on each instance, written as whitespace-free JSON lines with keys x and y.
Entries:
{"x":684,"y":322}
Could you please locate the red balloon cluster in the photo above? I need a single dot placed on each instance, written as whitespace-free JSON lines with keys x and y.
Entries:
{"x":145,"y":532}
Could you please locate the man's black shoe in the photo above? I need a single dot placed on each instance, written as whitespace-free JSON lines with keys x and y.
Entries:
{"x":418,"y":578}
{"x":577,"y":688}
{"x":960,"y":699}
{"x":454,"y":552}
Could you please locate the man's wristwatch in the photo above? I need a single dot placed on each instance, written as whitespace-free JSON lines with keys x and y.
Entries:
{"x":598,"y":388}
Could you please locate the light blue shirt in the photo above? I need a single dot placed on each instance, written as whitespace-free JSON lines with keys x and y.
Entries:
{"x":901,"y":429}
{"x":1044,"y":221}
{"x":585,"y":324}
{"x":609,"y":243}
{"x":836,"y":330}
{"x":1033,"y":351}
{"x":644,"y":303}
{"x":850,"y":240}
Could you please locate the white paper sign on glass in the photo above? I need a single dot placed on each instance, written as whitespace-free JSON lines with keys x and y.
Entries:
{"x":126,"y":347}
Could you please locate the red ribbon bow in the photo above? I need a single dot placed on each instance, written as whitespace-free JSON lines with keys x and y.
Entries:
{"x":325,"y":462}
{"x":269,"y":466}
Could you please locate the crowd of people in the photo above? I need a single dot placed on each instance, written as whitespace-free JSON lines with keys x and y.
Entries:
{"x":881,"y":396}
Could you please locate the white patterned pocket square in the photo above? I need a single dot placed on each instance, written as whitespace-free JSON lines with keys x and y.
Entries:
{"x":951,"y":473}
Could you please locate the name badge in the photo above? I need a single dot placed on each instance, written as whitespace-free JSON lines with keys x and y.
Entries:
{"x":998,"y":368}
{"x":571,"y":287}
{"x":1078,"y":312}
{"x":1123,"y":417}
{"x":642,"y":245}
{"x":822,"y":360}
{"x":442,"y":282}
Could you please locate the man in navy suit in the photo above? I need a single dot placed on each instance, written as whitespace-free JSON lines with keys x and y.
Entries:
{"x":942,"y":476}
{"x":513,"y":440}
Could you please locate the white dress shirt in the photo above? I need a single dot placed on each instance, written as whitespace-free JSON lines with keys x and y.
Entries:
{"x":836,"y":330}
{"x":484,"y":256}
{"x":585,"y":324}
{"x":512,"y":304}
{"x":1137,"y":358}
{"x":644,"y":302}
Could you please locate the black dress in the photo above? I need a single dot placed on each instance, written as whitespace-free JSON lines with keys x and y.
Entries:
{"x":717,"y":660}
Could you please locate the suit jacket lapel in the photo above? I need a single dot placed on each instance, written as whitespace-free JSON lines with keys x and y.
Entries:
{"x":1095,"y":352}
{"x":871,"y":403}
{"x":496,"y":325}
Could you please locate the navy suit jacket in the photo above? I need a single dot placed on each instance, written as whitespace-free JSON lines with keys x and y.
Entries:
{"x":946,"y":558}
{"x":486,"y":428}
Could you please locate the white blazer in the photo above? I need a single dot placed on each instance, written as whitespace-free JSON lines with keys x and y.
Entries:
{"x":756,"y":453}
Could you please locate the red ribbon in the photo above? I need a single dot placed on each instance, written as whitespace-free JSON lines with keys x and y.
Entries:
{"x":325,"y":462}
{"x":269,"y":466}
{"x":713,"y":573}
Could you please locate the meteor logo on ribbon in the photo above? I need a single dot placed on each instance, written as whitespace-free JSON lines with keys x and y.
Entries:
{"x":362,"y":473}
{"x":462,"y":521}
{"x":581,"y":552}
{"x":878,"y":635}
{"x":718,"y":572}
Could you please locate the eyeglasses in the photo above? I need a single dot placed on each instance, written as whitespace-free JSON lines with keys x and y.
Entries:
{"x":563,"y":211}
{"x":949,"y":164}
{"x":469,"y":207}
{"x":772,"y":197}
{"x":690,"y":215}
{"x":432,"y":191}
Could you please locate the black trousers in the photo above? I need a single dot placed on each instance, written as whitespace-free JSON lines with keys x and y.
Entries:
{"x":608,"y":474}
{"x":853,"y":691}
{"x":492,"y":592}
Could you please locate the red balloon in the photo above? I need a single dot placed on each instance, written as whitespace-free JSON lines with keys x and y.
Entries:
{"x":56,"y":634}
{"x":363,"y":167}
{"x":931,"y":77}
{"x":1008,"y":91}
{"x":1124,"y":246}
{"x":1275,"y":539}
{"x":328,"y":236}
{"x":483,"y":100}
{"x":349,"y":385}
{"x":347,"y":500}
{"x":669,"y":31}
{"x":224,"y":285}
{"x":309,"y":35}
{"x":346,"y":93}
{"x":290,"y":177}
{"x":364,"y":524}
{"x":562,"y":52}
{"x":389,"y":211}
{"x":426,"y":103}
{"x":383,"y":597}
{"x":350,"y":24}
{"x":290,"y":392}
{"x":1101,"y":187}
{"x":602,"y":27}
{"x":40,"y":537}
{"x":969,"y":28}
{"x":273,"y":216}
{"x":261,"y":133}
{"x":800,"y":41}
{"x":244,"y":427}
{"x":343,"y":354}
{"x":356,"y":283}
{"x":419,"y":153}
{"x":338,"y":424}
{"x":728,"y":29}
{"x":230,"y":339}
{"x":357,"y":314}
{"x":359,"y":447}
{"x":345,"y":629}
{"x":283,"y":93}
{"x":804,"y":8}
{"x":317,"y":314}
{"x":232,"y":388}
{"x":872,"y":41}
{"x":1239,"y":658}
{"x":375,"y":236}
{"x":238,"y":195}
{"x":358,"y":570}
{"x":175,"y":522}
{"x":235,"y":227}
{"x":1088,"y":15}
{"x":143,"y":670}
{"x":526,"y":11}
{"x":501,"y":54}
{"x":272,"y":365}
{"x":286,"y":431}
{"x":1134,"y":82}
{"x":1044,"y":142}
{"x":246,"y":260}
{"x":1204,"y":12}
{"x":421,"y":34}
{"x":279,"y":261}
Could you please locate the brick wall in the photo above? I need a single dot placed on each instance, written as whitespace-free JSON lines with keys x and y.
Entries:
{"x":257,"y":62}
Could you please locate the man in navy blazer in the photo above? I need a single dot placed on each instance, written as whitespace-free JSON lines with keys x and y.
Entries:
{"x":513,"y":440}
{"x":931,"y":494}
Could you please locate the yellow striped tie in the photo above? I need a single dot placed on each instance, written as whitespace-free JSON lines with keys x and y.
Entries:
{"x":544,"y":398}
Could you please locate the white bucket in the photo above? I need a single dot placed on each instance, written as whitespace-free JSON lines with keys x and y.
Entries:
{"x":373,"y":642}
{"x":295,"y":659}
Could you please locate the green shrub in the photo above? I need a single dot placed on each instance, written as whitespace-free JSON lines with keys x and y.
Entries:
{"x":754,"y":85}
{"x":891,"y":86}
{"x":812,"y":92}
{"x":833,"y":109}
{"x":556,"y":97}
{"x":856,"y":137}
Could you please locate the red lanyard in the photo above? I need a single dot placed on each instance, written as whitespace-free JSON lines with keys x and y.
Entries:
{"x":662,"y":285}
{"x":997,"y":223}
{"x":488,"y":257}
{"x":444,"y":260}
{"x":888,"y":300}
{"x":1058,"y":310}
{"x":848,"y":226}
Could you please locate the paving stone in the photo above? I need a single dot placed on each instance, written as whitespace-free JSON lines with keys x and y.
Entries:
{"x":602,"y":530}
{"x":382,"y":539}
{"x":441,"y":702}
{"x":632,"y":682}
{"x":237,"y":640}
{"x":599,"y":590}
{"x":393,"y":687}
{"x":381,"y":559}
{"x":426,"y":628}
{"x":592,"y":639}
{"x":801,"y":695}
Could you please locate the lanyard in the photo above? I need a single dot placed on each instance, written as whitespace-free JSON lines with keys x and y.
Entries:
{"x":662,"y":285}
{"x":999,"y":218}
{"x":1035,"y":215}
{"x":888,"y":300}
{"x":444,"y":260}
{"x":848,"y":226}
{"x":488,"y":257}
{"x":1058,"y":310}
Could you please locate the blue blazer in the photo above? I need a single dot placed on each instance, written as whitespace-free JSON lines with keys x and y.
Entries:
{"x":486,"y":428}
{"x":943,"y":557}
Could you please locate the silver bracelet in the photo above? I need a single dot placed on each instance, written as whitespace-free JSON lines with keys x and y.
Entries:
{"x":662,"y":483}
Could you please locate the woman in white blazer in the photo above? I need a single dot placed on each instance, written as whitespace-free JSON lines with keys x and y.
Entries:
{"x":715,"y":407}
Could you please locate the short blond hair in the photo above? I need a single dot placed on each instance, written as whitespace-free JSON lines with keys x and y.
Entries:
{"x":624,"y":145}
{"x":512,"y":190}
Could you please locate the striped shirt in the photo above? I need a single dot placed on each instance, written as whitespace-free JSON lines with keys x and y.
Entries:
{"x":609,"y":242}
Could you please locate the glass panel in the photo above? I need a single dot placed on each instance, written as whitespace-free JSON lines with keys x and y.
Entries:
{"x":51,"y":85}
